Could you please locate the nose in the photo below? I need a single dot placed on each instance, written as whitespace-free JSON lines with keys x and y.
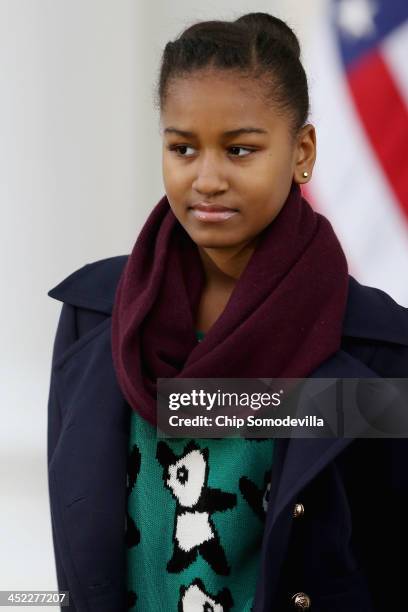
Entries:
{"x":209,"y":178}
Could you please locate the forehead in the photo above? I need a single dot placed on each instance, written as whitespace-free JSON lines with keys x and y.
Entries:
{"x":217,"y":100}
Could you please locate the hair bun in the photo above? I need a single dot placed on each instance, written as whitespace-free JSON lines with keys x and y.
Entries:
{"x":273,"y":27}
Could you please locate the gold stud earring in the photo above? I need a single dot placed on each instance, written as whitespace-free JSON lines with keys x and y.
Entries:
{"x":305,"y":174}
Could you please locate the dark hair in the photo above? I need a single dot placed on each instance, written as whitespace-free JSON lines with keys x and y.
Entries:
{"x":256,"y":45}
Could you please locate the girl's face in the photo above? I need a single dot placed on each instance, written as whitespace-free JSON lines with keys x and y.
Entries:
{"x":224,"y":145}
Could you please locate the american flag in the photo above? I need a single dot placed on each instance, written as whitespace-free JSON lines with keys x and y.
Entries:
{"x":358,"y":75}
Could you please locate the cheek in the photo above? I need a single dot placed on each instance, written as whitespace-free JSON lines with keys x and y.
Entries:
{"x":263,"y":203}
{"x":265,"y":190}
{"x":174,"y":178}
{"x":167,"y":170}
{"x":257,"y":190}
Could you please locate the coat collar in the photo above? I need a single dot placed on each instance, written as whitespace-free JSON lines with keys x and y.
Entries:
{"x":370,"y":312}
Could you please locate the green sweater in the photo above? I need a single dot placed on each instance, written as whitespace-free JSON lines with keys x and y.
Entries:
{"x":195,"y":520}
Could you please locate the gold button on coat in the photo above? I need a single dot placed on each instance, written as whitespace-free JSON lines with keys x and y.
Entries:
{"x":301,"y":601}
{"x":298,"y":510}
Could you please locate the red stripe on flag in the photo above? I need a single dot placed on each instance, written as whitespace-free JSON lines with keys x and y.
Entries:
{"x":384,"y":115}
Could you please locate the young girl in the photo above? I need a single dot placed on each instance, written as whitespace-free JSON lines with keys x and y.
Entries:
{"x":233,"y":275}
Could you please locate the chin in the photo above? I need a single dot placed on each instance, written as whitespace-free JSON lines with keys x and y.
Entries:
{"x":205,"y":240}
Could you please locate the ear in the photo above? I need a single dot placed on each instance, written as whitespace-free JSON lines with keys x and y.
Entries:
{"x":199,"y":583}
{"x":305,"y":153}
{"x":192,"y":445}
{"x":165,"y":455}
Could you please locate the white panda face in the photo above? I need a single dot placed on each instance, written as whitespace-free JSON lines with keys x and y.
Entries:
{"x":186,"y":478}
{"x":194,"y":600}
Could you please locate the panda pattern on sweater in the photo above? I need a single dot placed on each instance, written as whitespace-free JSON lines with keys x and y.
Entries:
{"x":194,"y":532}
{"x":195,"y":597}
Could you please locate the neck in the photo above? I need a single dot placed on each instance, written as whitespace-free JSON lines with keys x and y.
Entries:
{"x":224,"y":266}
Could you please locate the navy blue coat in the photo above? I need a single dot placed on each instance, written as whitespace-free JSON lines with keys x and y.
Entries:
{"x":346,"y":552}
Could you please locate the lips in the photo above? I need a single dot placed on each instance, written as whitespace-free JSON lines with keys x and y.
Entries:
{"x":205,"y":207}
{"x":211,"y":213}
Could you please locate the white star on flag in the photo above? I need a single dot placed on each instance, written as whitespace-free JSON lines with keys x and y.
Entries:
{"x":356,"y":17}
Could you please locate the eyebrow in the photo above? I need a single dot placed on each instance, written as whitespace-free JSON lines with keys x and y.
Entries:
{"x":237,"y":132}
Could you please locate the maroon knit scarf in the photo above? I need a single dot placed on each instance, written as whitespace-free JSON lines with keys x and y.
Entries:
{"x":284,"y":316}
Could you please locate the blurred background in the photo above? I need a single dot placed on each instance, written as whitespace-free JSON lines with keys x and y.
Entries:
{"x":80,"y":164}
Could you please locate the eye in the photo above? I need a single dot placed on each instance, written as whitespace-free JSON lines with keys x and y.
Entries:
{"x":180,"y":149}
{"x":236,"y":148}
{"x":182,"y":474}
